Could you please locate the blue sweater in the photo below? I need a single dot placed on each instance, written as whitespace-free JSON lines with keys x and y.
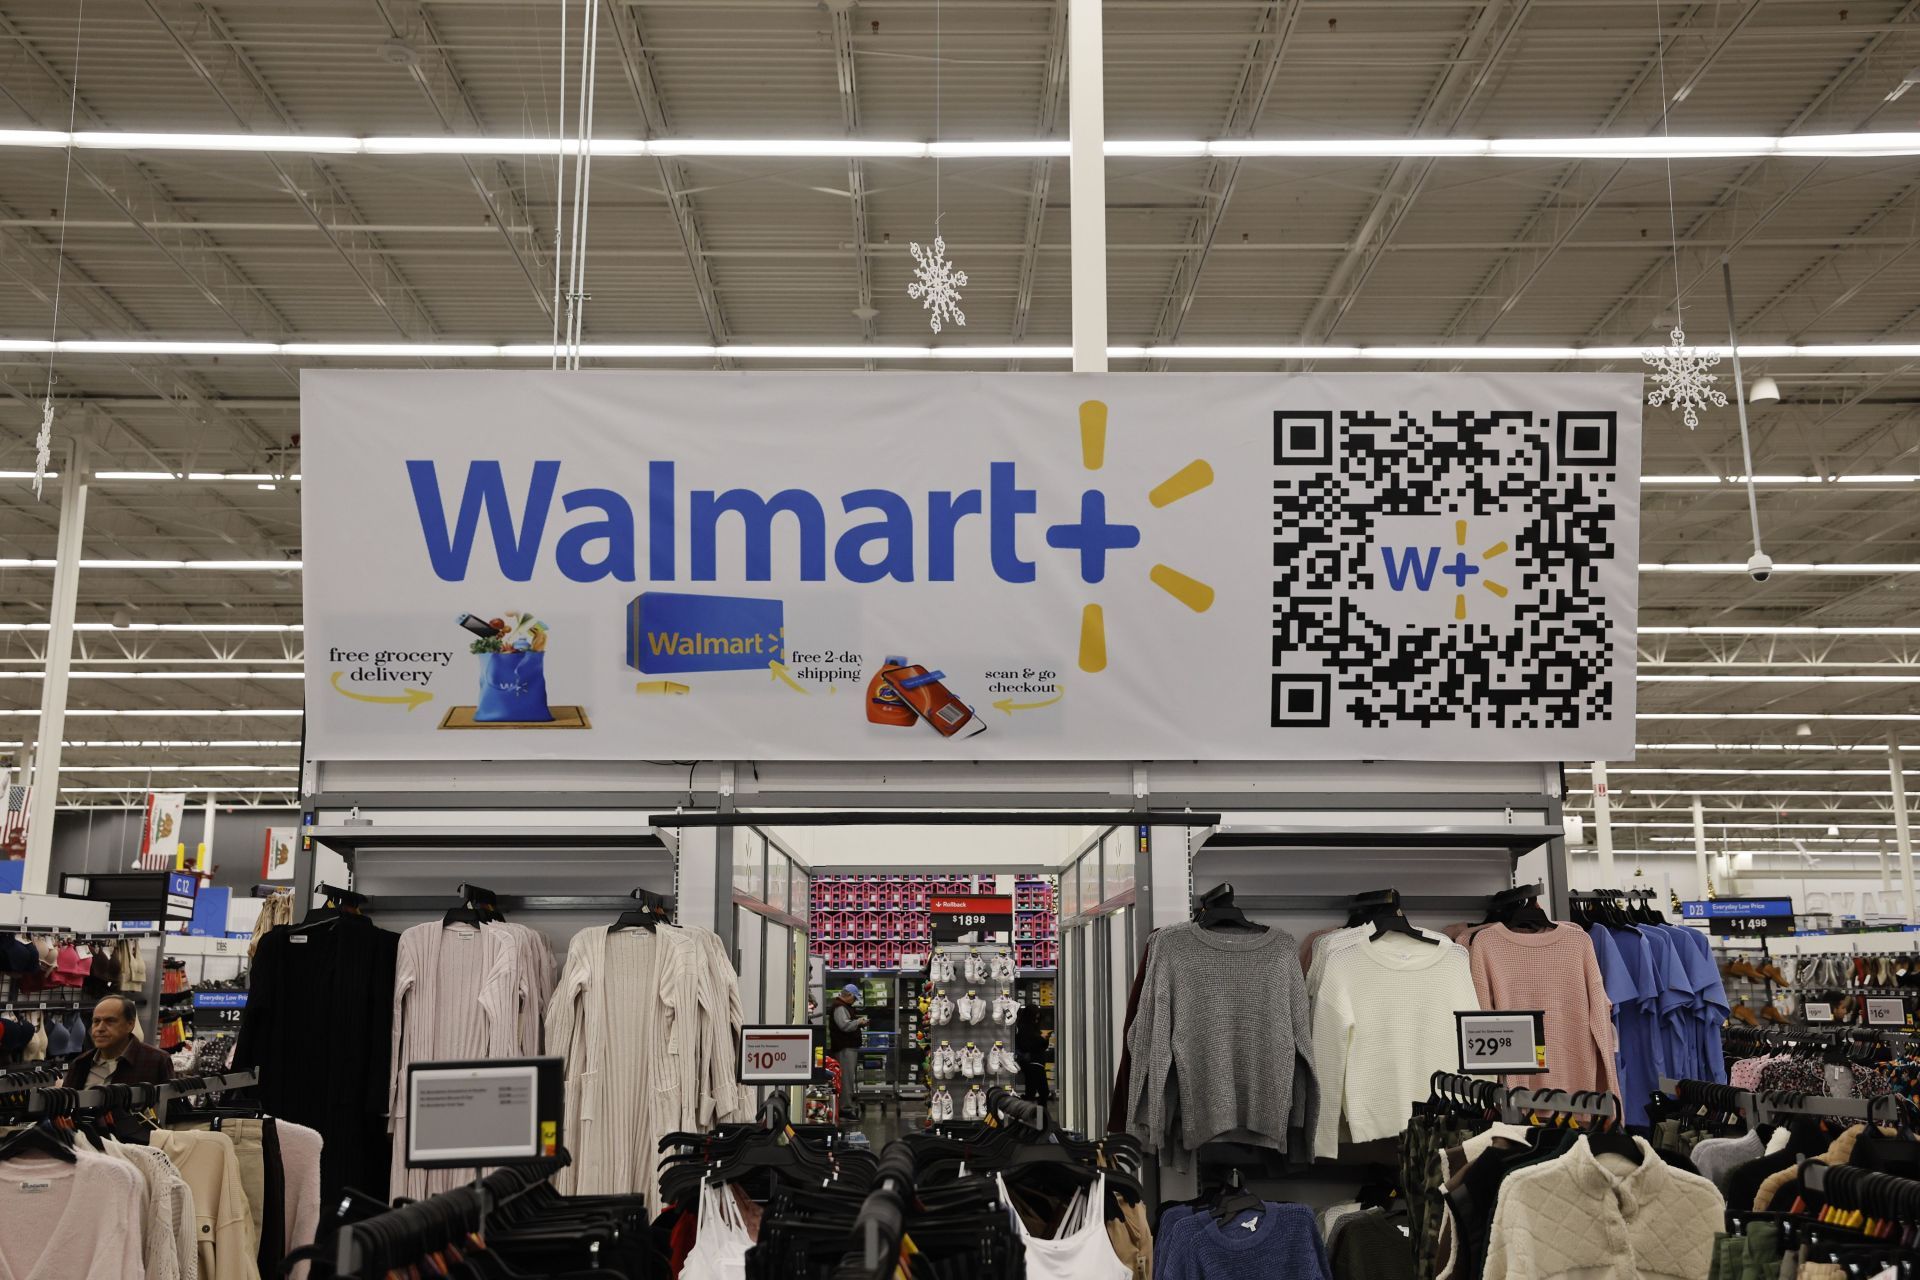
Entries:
{"x":1280,"y":1243}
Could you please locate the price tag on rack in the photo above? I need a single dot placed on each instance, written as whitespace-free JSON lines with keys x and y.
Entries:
{"x":1502,"y":1041}
{"x":776,"y":1055}
{"x":1890,"y":1011}
{"x":1817,"y":1011}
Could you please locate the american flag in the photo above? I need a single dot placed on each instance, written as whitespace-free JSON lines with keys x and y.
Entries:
{"x":13,"y":828}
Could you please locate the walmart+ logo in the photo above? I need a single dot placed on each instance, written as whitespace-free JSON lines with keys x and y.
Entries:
{"x":1417,"y":567}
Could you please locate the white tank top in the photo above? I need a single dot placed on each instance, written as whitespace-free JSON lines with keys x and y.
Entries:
{"x":1081,"y":1250}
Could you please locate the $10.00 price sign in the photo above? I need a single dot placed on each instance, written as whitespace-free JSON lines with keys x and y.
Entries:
{"x":1502,"y":1041}
{"x":776,"y":1055}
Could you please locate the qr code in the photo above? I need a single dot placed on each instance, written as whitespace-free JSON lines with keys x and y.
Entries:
{"x":1443,"y":568}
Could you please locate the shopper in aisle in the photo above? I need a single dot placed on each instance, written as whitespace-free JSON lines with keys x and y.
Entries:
{"x":1030,"y":1052}
{"x":844,"y":1028}
{"x":117,"y":1056}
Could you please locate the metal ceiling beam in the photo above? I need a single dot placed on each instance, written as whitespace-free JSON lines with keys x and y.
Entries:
{"x":636,"y":63}
{"x":1053,"y":86}
{"x":1243,"y":116}
{"x":433,"y":70}
{"x":384,"y":284}
{"x":1732,"y":190}
{"x":1396,"y":199}
{"x":840,"y":15}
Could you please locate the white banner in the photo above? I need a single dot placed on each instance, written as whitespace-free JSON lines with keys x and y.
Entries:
{"x":840,"y":566}
{"x":160,"y":832}
{"x":276,"y":859}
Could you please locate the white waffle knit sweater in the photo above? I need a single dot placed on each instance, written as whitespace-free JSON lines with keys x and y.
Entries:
{"x":1578,"y":1216}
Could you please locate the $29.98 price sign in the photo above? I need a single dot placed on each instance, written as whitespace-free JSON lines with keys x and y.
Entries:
{"x":1502,"y":1041}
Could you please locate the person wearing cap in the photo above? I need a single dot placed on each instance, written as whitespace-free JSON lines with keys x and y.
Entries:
{"x":843,"y":1042}
{"x":117,"y":1056}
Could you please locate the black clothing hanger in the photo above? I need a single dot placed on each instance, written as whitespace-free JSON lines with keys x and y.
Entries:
{"x":1519,"y":909}
{"x":1398,"y":923}
{"x":1216,"y":910}
{"x":1232,"y":1198}
{"x":38,"y":1139}
{"x":654,"y":910}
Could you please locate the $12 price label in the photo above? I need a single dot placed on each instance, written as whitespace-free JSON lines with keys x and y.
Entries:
{"x":1502,"y":1042}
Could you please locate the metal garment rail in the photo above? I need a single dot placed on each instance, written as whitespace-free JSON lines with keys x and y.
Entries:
{"x":1765,"y":1108}
{"x":40,"y":1097}
{"x":451,"y":1213}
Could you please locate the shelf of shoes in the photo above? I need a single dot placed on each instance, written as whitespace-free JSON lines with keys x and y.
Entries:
{"x":969,"y":1015}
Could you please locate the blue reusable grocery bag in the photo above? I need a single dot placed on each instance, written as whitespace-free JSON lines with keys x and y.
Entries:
{"x":513,"y":688}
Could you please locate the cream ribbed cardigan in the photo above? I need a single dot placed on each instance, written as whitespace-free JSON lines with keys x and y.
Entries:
{"x":647,"y":1023}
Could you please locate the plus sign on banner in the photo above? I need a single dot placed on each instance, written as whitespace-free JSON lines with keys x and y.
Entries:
{"x":970,"y":566}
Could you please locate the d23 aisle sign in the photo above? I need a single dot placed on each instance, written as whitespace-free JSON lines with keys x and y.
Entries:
{"x":970,"y":566}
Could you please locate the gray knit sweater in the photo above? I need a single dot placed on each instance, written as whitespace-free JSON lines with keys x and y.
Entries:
{"x":1221,"y":1043}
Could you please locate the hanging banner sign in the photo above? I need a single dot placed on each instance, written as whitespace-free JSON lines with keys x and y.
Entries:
{"x":160,"y":831}
{"x":842,"y":566}
{"x":276,"y":860}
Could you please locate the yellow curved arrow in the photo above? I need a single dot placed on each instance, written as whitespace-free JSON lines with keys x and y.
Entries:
{"x":1009,"y":706}
{"x":779,"y":670}
{"x":412,"y":697}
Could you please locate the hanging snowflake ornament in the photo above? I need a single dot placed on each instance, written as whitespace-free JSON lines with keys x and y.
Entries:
{"x":937,"y":284}
{"x":43,"y":446}
{"x":1682,"y":382}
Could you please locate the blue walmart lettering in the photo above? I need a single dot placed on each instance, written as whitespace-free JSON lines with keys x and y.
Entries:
{"x":1410,"y":566}
{"x":604,"y":545}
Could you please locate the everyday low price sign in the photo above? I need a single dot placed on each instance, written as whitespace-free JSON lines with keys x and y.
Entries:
{"x":1503,"y":1042}
{"x":776,"y":1055}
{"x":1742,"y":917}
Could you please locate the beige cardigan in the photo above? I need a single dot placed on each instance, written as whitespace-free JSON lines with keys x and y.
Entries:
{"x":223,"y":1220}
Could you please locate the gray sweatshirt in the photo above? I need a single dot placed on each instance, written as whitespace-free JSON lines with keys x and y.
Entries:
{"x":1221,"y":1043}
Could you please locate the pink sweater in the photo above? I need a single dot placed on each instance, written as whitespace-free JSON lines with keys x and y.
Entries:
{"x":1554,"y":970}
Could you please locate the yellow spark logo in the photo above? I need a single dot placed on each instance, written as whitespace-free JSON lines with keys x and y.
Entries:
{"x":1188,"y":480}
{"x":1461,"y":569}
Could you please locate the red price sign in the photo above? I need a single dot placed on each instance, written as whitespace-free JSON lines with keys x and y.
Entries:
{"x":776,"y":1055}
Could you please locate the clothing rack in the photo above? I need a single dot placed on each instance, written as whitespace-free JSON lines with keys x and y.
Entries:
{"x":53,"y":1099}
{"x":1844,"y":1186}
{"x":881,"y":1223}
{"x":1514,"y":1105}
{"x":1767,"y":1108}
{"x":361,"y":1249}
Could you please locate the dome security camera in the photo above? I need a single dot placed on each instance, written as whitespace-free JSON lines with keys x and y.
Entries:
{"x":1760,"y":566}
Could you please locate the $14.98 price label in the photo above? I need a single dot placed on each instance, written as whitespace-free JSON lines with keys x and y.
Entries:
{"x":1502,"y":1041}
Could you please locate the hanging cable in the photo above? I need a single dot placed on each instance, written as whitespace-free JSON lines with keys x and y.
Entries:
{"x":559,"y":187}
{"x":1761,"y":564}
{"x":43,"y":442}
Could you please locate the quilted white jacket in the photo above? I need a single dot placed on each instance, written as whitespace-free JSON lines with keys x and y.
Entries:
{"x":1574,"y":1218}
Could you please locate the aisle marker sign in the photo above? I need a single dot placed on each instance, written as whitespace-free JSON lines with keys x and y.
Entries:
{"x":1502,"y":1041}
{"x":776,"y":1055}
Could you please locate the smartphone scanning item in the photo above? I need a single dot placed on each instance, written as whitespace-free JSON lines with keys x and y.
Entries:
{"x":932,"y":701}
{"x":479,"y":626}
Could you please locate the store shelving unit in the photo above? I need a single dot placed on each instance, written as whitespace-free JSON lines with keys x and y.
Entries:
{"x":880,"y":923}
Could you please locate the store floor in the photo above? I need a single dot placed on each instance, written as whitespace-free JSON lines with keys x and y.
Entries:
{"x":883,"y":1122}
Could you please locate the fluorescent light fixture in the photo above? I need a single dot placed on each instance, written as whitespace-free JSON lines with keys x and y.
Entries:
{"x":161,"y":744}
{"x":158,"y":675}
{"x":217,"y":790}
{"x":1683,"y":147}
{"x":1612,"y":770}
{"x":1781,"y":631}
{"x":1738,"y":567}
{"x":692,"y":351}
{"x":207,"y":628}
{"x":1869,"y":716}
{"x":1887,"y":478}
{"x":72,"y":712}
{"x":212,"y":566}
{"x":161,"y":766}
{"x":1751,"y":791}
{"x":1810,"y":679}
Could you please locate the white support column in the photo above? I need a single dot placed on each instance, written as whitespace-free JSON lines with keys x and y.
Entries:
{"x":1087,"y":174}
{"x":53,"y":689}
{"x":1700,"y":845}
{"x":1902,"y":831}
{"x":206,"y":831}
{"x":1603,"y":826}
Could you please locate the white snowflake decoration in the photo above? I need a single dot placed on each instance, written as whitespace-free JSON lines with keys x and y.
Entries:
{"x":1683,"y":383}
{"x":937,"y":284}
{"x":43,"y":446}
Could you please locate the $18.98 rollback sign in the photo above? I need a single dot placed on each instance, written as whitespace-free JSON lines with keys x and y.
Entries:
{"x":970,"y":566}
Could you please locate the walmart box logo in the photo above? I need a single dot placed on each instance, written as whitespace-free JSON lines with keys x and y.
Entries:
{"x":671,"y":631}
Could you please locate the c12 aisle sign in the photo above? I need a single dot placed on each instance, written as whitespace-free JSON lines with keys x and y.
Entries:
{"x":970,"y":566}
